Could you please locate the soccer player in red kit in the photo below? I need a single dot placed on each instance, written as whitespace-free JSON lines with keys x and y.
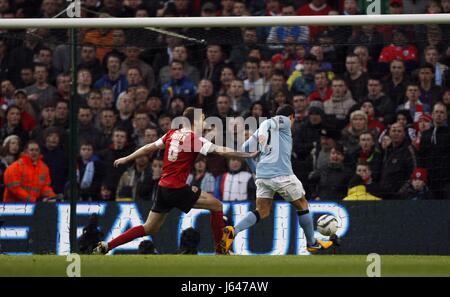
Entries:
{"x":181,"y":149}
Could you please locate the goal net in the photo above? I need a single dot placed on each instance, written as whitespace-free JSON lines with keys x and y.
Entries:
{"x":370,"y":101}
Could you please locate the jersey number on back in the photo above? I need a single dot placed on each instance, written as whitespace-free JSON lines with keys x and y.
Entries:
{"x":174,"y":147}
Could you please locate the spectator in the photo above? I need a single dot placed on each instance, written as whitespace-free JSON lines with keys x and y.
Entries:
{"x":132,"y":61}
{"x":226,"y":77}
{"x":136,"y":182}
{"x":150,"y":135}
{"x":277,"y":83}
{"x":154,"y":107}
{"x":315,"y":7}
{"x":55,"y":158}
{"x":120,"y":147}
{"x":164,"y":123}
{"x":400,"y":48}
{"x":26,"y":77}
{"x":126,"y":106}
{"x":357,"y":191}
{"x":295,"y":34}
{"x":201,"y":178}
{"x":240,"y":51}
{"x":205,"y":96}
{"x":340,"y":103}
{"x":322,"y":91}
{"x":395,"y":83}
{"x":213,"y":65}
{"x":84,"y":82}
{"x":399,"y":160}
{"x":27,"y":112}
{"x":240,"y":102}
{"x":107,"y":97}
{"x":178,"y":85}
{"x":10,"y":150}
{"x":141,"y":122}
{"x":86,"y":128}
{"x":63,"y":82}
{"x":90,"y":172}
{"x":350,"y":134}
{"x":236,"y":184}
{"x":303,"y":81}
{"x":416,"y":188}
{"x":176,"y":106}
{"x":368,"y":36}
{"x":300,"y":103}
{"x":94,"y":101}
{"x":332,"y":179}
{"x":431,"y":55}
{"x":412,"y":104}
{"x":62,"y":114}
{"x":430,"y":93}
{"x":364,"y":170}
{"x":45,"y":57}
{"x":180,"y":53}
{"x":308,"y":136}
{"x":7,"y":92}
{"x":41,"y":92}
{"x":88,"y":60}
{"x":318,"y":52}
{"x":13,"y":125}
{"x":373,"y":124}
{"x":368,"y":152}
{"x":113,"y":78}
{"x":435,"y":154}
{"x":355,"y":78}
{"x":384,"y":107}
{"x":21,"y":182}
{"x":101,"y":38}
{"x":9,"y":153}
{"x":424,"y":124}
{"x":254,"y":84}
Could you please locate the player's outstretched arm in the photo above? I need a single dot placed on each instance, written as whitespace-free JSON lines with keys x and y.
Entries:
{"x":230,"y":153}
{"x":143,"y":151}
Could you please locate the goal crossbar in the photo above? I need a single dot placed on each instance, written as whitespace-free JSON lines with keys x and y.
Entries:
{"x":244,"y":21}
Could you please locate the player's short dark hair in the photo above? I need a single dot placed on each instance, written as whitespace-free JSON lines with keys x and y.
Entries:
{"x":285,"y":110}
{"x":189,"y":114}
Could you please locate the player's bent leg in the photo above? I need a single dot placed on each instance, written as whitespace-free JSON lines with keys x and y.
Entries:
{"x":151,"y":226}
{"x":208,"y":201}
{"x":306,"y":223}
{"x":262,"y":211}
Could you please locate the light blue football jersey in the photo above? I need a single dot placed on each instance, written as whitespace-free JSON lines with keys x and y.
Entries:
{"x":275,"y":147}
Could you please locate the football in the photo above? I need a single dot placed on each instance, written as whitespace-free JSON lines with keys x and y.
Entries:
{"x":327,"y":225}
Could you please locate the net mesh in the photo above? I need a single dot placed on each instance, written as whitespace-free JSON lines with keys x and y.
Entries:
{"x":363,"y":96}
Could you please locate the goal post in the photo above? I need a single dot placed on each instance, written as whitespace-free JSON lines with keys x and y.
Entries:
{"x":243,"y":21}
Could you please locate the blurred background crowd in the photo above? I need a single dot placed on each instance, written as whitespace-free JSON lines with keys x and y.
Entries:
{"x":371,"y":102}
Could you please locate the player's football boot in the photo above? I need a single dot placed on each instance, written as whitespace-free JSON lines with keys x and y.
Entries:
{"x":227,"y":239}
{"x":319,"y":245}
{"x":101,"y":248}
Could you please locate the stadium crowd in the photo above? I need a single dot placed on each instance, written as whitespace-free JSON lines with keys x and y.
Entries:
{"x":371,"y":102}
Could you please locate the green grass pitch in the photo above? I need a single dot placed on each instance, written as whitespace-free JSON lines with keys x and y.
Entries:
{"x":187,"y":265}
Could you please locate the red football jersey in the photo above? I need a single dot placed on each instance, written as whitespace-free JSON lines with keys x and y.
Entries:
{"x":181,"y":149}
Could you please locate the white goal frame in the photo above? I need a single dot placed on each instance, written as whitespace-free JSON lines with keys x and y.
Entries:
{"x":244,"y":21}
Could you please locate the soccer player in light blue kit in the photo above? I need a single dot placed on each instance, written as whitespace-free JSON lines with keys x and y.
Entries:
{"x":274,"y":175}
